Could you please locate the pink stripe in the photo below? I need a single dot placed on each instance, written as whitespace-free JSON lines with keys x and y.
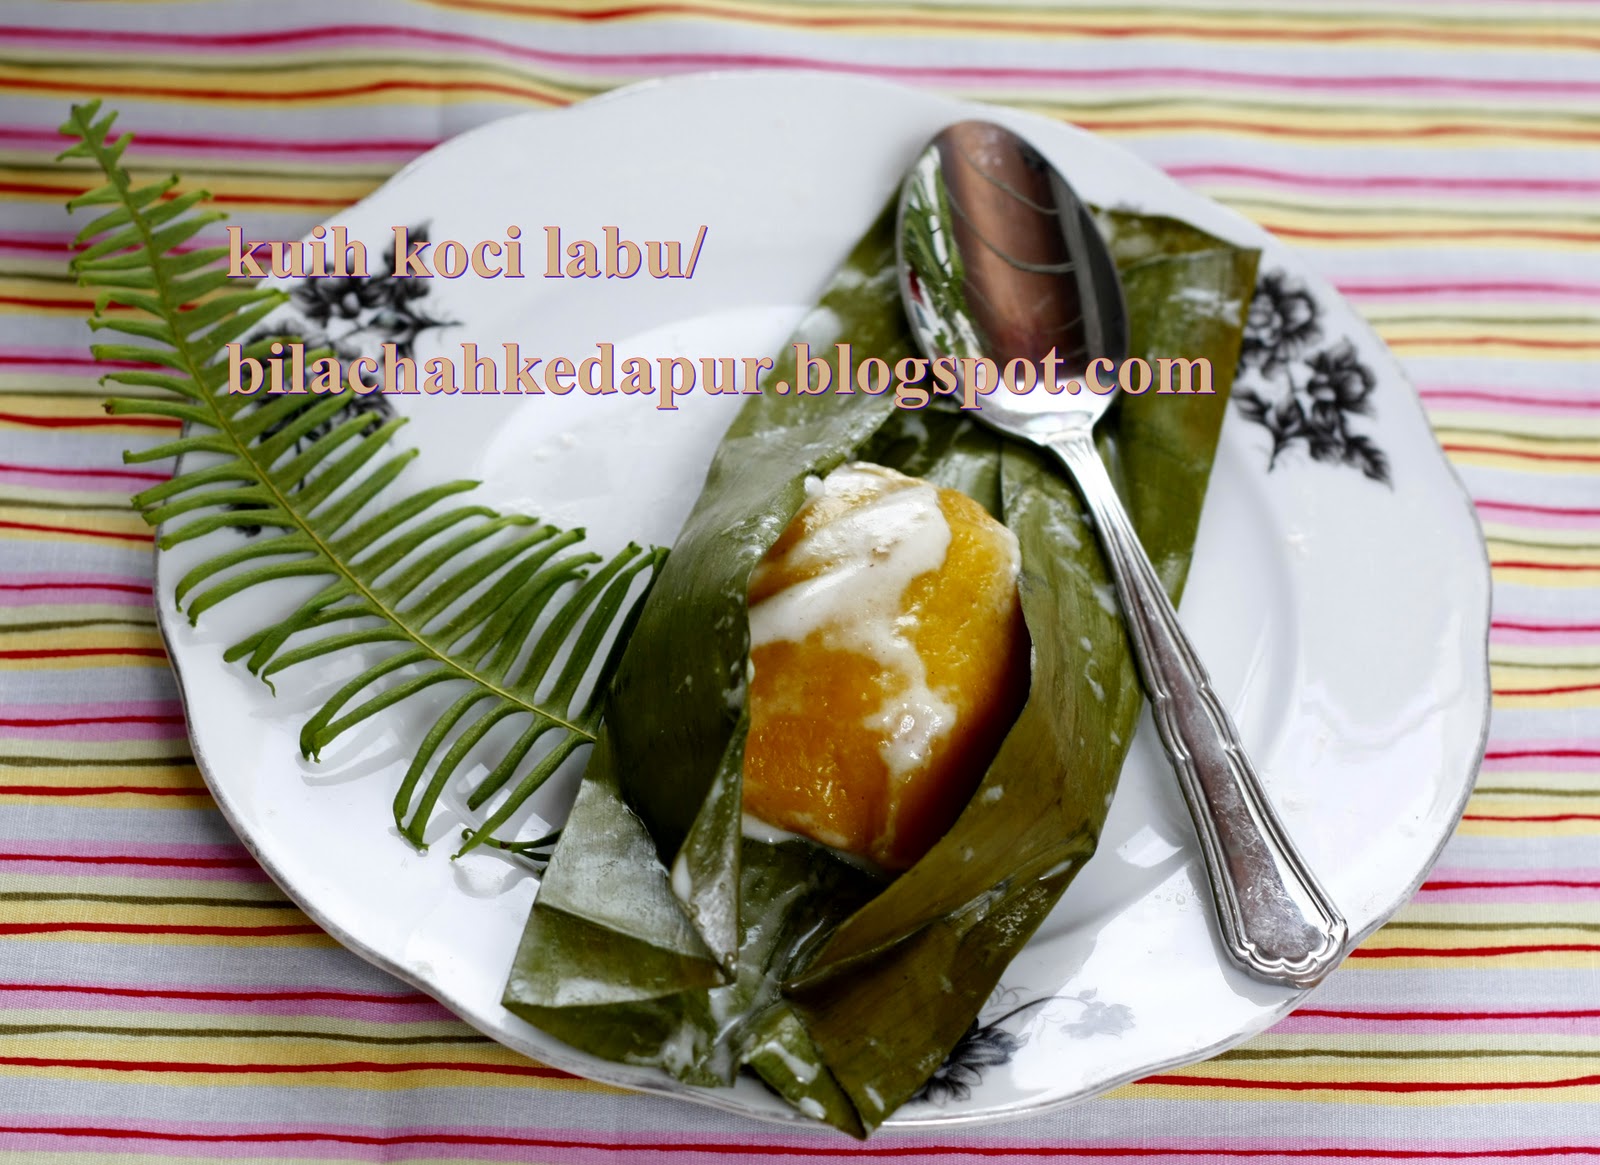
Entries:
{"x":368,"y":149}
{"x":73,"y":578}
{"x":78,"y":359}
{"x":1538,"y":639}
{"x":1387,"y":182}
{"x":90,"y":848}
{"x":107,"y":482}
{"x":1500,"y":289}
{"x":1545,"y":764}
{"x":91,"y":711}
{"x":1544,"y":634}
{"x":428,"y":1012}
{"x":121,"y":859}
{"x":1530,"y":874}
{"x":1515,"y":893}
{"x":1501,"y":885}
{"x":1529,"y":514}
{"x":1557,"y":756}
{"x":134,"y":720}
{"x":24,"y":590}
{"x":135,"y":873}
{"x":1318,"y":1025}
{"x":1502,"y":401}
{"x":94,"y":733}
{"x":554,"y":1146}
{"x":57,"y":244}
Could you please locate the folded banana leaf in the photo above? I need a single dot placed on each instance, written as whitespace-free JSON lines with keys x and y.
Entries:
{"x":661,"y":934}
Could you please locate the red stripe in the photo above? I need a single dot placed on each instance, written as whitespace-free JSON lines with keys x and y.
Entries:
{"x":220,"y":996}
{"x":1278,"y":129}
{"x":64,"y":192}
{"x":79,"y":305}
{"x":230,"y":145}
{"x":239,"y":863}
{"x":79,"y":361}
{"x":348,"y":1066}
{"x":808,"y":1149}
{"x":1509,"y":625}
{"x":19,"y":243}
{"x":1371,"y":1085}
{"x":1528,"y":507}
{"x":64,"y":721}
{"x":1561,"y":691}
{"x":1467,"y":952}
{"x":1480,"y":341}
{"x":1507,"y":753}
{"x":1393,"y":182}
{"x":1545,"y":882}
{"x":138,"y":928}
{"x":285,"y":98}
{"x":48,"y":241}
{"x":1532,"y":817}
{"x":127,"y":588}
{"x":1403,"y":1016}
{"x":1409,"y":234}
{"x":103,"y":790}
{"x":1525,"y":453}
{"x":1519,"y":564}
{"x":90,"y":422}
{"x":62,"y":471}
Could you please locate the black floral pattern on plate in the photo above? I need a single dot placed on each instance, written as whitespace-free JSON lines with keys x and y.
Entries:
{"x":353,"y":316}
{"x":1304,"y":401}
{"x":989,"y":1045}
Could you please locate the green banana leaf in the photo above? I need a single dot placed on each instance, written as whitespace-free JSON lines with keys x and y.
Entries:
{"x":663,"y":936}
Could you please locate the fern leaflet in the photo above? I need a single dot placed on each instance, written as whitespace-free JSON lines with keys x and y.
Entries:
{"x":501,"y":606}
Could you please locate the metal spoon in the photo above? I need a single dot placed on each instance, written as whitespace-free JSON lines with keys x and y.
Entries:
{"x":999,"y":258}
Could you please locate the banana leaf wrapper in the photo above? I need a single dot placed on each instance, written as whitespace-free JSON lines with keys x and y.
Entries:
{"x":661,"y":935}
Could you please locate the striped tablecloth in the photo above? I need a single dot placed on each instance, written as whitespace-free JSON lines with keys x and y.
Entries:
{"x":159,"y":1000}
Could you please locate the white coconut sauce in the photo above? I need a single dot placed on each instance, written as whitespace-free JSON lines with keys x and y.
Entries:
{"x":864,"y":560}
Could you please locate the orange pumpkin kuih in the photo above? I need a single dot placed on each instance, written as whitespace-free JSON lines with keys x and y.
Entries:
{"x":890,"y":659}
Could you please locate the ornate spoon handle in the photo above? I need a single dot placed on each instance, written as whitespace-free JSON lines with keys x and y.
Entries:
{"x":1277,"y":923}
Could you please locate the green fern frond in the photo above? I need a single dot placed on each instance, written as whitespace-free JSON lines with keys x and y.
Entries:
{"x":503,"y":607}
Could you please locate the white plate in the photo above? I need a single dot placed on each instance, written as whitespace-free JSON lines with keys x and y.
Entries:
{"x":1343,"y":619}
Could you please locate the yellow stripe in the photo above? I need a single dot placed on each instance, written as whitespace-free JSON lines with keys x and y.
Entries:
{"x":1509,"y":913}
{"x":86,"y":752}
{"x":1510,"y":533}
{"x":287,"y":82}
{"x":1445,"y":941}
{"x":1583,"y":785}
{"x":1528,"y":829}
{"x":200,"y":799}
{"x":105,"y":879}
{"x":37,"y":384}
{"x":77,"y":638}
{"x":1448,"y":1098}
{"x":1558,"y":555}
{"x":10,"y":617}
{"x":1272,"y":121}
{"x":179,"y":775}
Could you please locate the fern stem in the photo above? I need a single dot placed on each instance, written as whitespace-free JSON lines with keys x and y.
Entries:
{"x":301,"y":475}
{"x":107,"y":160}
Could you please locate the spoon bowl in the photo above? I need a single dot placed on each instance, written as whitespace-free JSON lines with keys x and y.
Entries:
{"x":999,"y":259}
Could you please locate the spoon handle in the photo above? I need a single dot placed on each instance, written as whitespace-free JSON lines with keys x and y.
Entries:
{"x":1277,"y":923}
